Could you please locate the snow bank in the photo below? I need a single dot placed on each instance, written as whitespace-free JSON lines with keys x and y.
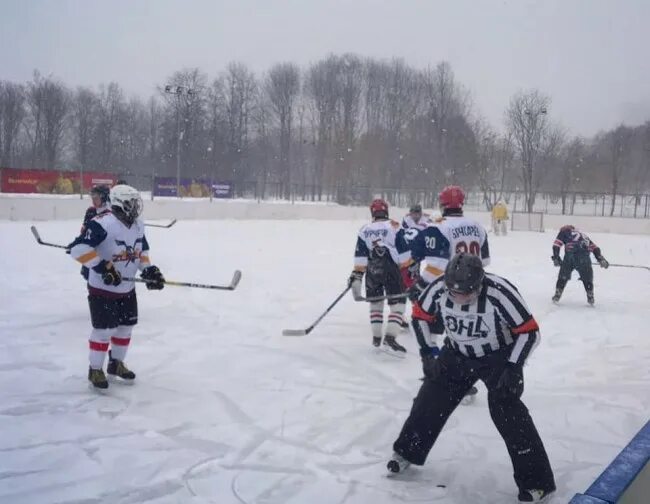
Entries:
{"x":31,"y":208}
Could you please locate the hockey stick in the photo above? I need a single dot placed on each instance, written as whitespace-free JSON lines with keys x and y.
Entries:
{"x":232,"y":286}
{"x":41,"y":242}
{"x":381,"y":298}
{"x":304,"y":332}
{"x":166,"y":226}
{"x":625,"y":266}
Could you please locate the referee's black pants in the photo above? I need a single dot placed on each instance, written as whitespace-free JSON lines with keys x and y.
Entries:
{"x":437,"y":399}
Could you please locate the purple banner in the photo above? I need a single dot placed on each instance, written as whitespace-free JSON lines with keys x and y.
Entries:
{"x":222,"y":189}
{"x":191,"y":188}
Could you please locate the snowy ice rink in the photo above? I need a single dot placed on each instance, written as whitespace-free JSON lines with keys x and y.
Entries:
{"x":226,"y":410}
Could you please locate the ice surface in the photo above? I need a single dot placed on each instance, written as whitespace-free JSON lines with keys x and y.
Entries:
{"x":226,"y":410}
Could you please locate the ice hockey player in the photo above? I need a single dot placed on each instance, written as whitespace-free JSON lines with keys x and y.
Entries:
{"x":434,"y":247}
{"x":412,"y":223}
{"x":99,"y":195}
{"x":114,"y":246}
{"x":577,"y":250}
{"x":416,"y":218}
{"x":500,"y":218}
{"x":380,"y":251}
{"x":490,"y":333}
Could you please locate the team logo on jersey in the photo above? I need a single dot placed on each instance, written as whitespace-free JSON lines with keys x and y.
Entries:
{"x":129,"y":254}
{"x":467,"y":327}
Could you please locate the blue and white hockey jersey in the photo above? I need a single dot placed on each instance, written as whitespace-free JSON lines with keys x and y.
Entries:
{"x":108,"y":239}
{"x":381,"y":233}
{"x":439,"y":242}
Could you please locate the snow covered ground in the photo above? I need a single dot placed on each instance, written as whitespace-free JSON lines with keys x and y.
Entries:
{"x":226,"y":410}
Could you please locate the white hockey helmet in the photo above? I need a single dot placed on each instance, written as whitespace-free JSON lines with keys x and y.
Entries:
{"x":126,"y":203}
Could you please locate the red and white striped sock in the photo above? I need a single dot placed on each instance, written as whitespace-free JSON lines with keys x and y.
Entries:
{"x":120,"y":342}
{"x":98,"y":344}
{"x":395,"y":318}
{"x":377,"y":319}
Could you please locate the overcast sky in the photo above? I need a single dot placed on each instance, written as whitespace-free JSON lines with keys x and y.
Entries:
{"x":591,"y":56}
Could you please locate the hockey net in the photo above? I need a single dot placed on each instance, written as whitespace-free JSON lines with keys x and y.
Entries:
{"x":522,"y":221}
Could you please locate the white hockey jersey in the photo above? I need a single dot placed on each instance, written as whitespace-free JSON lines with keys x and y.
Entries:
{"x":381,"y":233}
{"x":106,"y":238}
{"x":409,"y":223}
{"x":439,"y":242}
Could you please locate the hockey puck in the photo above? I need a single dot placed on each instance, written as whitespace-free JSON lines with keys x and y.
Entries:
{"x":441,"y":486}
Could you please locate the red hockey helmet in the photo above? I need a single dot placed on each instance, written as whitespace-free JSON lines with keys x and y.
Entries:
{"x":379,"y":208}
{"x":451,"y":197}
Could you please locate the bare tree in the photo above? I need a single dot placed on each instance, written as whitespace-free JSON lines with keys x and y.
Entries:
{"x":48,"y":103}
{"x":619,"y":143}
{"x":322,"y":88}
{"x":347,"y":125}
{"x":572,"y":160}
{"x":240,"y":89}
{"x":282,"y":88}
{"x":84,"y":123}
{"x":526,"y":120}
{"x":12,"y":112}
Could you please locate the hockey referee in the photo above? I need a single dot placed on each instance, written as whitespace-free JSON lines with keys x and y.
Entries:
{"x":489,"y":335}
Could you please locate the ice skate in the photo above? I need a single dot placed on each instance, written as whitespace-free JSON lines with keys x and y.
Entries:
{"x":393,"y":347}
{"x":376,"y":341}
{"x":97,"y":378}
{"x":590,"y":298}
{"x":397,"y":465}
{"x":119,"y":369}
{"x":557,"y":296}
{"x":535,"y":495}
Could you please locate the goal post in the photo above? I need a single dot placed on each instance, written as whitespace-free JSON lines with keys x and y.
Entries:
{"x":524,"y":221}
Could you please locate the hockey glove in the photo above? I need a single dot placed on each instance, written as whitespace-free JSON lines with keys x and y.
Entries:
{"x":154,"y":278}
{"x":556,"y":261}
{"x":431,"y":366}
{"x":511,"y":381}
{"x":415,"y":291}
{"x":355,"y":276}
{"x":603,"y":262}
{"x":110,"y":276}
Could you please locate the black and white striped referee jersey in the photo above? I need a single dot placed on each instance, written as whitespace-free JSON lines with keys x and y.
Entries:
{"x":498,"y":318}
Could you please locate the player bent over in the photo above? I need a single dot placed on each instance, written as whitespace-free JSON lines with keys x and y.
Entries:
{"x":114,"y":246}
{"x":379,"y":252}
{"x":577,"y":248}
{"x":490,"y":333}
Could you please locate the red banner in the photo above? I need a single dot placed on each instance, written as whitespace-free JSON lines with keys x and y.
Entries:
{"x":50,"y":181}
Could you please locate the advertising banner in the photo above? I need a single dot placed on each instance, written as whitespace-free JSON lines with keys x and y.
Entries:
{"x":51,"y":181}
{"x":222,"y":190}
{"x":191,"y":188}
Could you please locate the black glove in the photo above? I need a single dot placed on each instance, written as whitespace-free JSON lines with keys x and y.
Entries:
{"x":511,"y":381}
{"x":556,"y":261}
{"x":603,"y":262}
{"x":355,"y":276}
{"x":154,"y":278}
{"x":110,"y":275}
{"x":416,"y":290}
{"x":431,"y":366}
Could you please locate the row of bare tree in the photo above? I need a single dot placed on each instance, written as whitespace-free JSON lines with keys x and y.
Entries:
{"x":344,"y":122}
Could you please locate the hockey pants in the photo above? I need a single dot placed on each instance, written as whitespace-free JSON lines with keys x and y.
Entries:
{"x":437,"y":399}
{"x":582,"y":264}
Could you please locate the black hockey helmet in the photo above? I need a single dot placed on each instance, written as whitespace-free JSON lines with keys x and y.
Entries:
{"x":103,"y":191}
{"x":464,"y":277}
{"x":415,"y":208}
